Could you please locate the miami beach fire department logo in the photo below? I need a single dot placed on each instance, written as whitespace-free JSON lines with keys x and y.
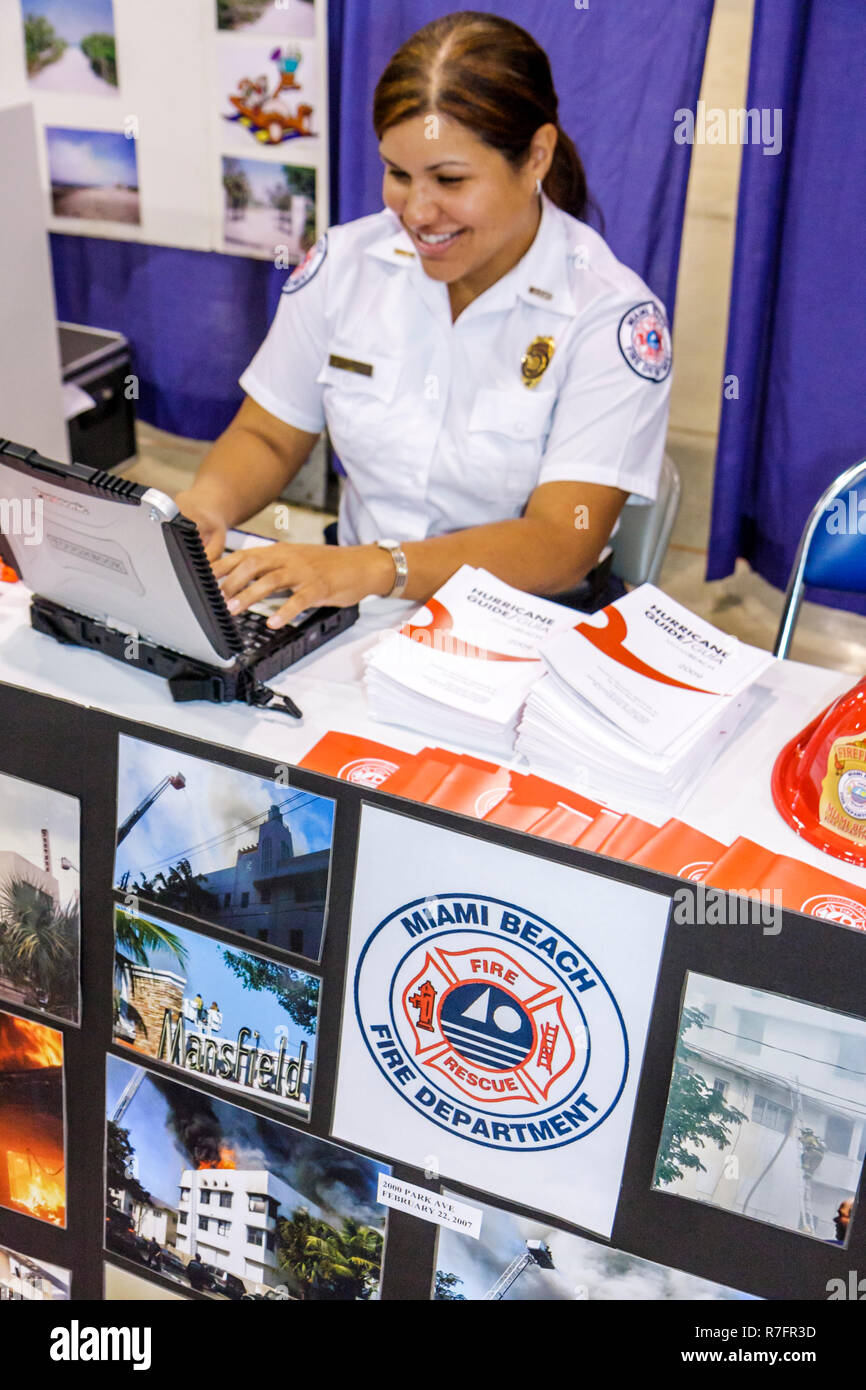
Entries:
{"x":367,"y":772}
{"x":645,"y":340}
{"x":491,"y":1022}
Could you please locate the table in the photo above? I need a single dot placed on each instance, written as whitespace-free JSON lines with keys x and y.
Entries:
{"x":733,"y":798}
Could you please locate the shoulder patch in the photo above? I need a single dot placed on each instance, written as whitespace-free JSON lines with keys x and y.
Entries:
{"x":645,"y":340}
{"x":303,"y":272}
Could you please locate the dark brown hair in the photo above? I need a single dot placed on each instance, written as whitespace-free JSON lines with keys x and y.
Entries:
{"x":492,"y":77}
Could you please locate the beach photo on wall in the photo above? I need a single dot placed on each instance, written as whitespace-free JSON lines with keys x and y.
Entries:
{"x":69,"y":46}
{"x":32,"y":1133}
{"x":40,"y":857}
{"x":24,"y":1279}
{"x":94,"y":175}
{"x":233,"y":849}
{"x":294,"y":18}
{"x":232,"y":1017}
{"x":269,"y":94}
{"x":231,"y":1204}
{"x":766,"y":1113}
{"x":269,"y":208}
{"x":518,"y":1260}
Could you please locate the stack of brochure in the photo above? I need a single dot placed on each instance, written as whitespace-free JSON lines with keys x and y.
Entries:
{"x":461,"y":668}
{"x":638,"y":701}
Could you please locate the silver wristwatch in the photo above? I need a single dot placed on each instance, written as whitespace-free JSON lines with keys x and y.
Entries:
{"x":401,"y":566}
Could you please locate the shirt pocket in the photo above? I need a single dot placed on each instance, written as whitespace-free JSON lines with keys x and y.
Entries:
{"x":358,"y":397}
{"x":506,"y":434}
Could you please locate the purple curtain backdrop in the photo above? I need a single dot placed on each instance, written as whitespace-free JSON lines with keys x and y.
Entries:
{"x":194,"y":319}
{"x":796,"y":340}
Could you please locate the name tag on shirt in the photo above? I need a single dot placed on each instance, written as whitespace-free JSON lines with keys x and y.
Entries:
{"x":348,"y":364}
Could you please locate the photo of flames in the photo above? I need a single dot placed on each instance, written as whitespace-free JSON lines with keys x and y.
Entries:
{"x":32,"y":1158}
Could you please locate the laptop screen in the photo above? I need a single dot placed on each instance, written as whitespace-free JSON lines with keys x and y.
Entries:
{"x":107,"y":548}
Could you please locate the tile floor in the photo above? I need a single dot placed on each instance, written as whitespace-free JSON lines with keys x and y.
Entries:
{"x":743,"y":604}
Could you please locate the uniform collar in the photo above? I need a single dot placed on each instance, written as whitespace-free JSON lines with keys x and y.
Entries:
{"x":540,"y":278}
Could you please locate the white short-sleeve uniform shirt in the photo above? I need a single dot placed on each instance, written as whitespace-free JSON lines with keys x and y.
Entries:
{"x":433,"y":421}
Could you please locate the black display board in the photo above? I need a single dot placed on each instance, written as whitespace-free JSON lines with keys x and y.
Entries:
{"x":73,"y":750}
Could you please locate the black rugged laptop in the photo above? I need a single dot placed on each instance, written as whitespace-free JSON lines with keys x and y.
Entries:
{"x":114,"y":566}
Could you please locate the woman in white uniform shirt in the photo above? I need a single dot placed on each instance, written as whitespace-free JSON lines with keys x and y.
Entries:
{"x":493,"y":380}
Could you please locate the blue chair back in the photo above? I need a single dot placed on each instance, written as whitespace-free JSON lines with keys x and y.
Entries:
{"x":837,"y":554}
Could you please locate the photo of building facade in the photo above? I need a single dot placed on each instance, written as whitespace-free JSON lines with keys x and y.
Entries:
{"x":25,"y":1280}
{"x":228,"y":1217}
{"x":787,"y":1081}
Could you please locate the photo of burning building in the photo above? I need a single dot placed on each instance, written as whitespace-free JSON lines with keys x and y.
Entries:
{"x":25,"y":1280}
{"x":234,"y":1205}
{"x":234,"y":1017}
{"x":39,"y":890}
{"x":32,"y":1143}
{"x":232,"y":849}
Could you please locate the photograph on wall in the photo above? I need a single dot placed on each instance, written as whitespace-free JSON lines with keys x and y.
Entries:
{"x":32,"y":1133}
{"x":40,"y":857}
{"x":766,"y":1113}
{"x":268,"y":95}
{"x":94,"y":175}
{"x":121,"y":1286}
{"x":269,"y":208}
{"x":234,"y":1018}
{"x":69,"y":46}
{"x":232,"y":1204}
{"x":493,"y":1018}
{"x":24,"y":1279}
{"x":293,"y":18}
{"x":235,"y":850}
{"x":518,"y":1260}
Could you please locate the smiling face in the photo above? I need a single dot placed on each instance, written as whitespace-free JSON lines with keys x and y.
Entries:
{"x":470,"y":213}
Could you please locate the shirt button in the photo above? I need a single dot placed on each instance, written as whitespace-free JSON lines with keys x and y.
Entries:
{"x":519,"y":427}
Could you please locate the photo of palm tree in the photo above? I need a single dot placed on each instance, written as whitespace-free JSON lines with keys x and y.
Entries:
{"x":39,"y":891}
{"x":231,"y":1204}
{"x":69,"y":46}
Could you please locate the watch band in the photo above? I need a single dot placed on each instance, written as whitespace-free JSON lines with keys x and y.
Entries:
{"x":401,"y":566}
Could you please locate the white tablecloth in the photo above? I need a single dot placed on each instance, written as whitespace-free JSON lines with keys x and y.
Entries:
{"x":733,"y":799}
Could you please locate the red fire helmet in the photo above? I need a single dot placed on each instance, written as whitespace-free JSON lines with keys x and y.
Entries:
{"x":819,"y":780}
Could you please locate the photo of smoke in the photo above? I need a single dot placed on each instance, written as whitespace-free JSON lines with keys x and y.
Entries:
{"x":40,"y":854}
{"x":519,"y":1260}
{"x":234,"y":1205}
{"x":32,"y":1135}
{"x":227,"y":847}
{"x":766,"y":1113}
{"x":236,"y":1018}
{"x":25,"y":1280}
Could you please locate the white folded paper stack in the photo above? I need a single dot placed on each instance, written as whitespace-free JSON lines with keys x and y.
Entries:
{"x":638,"y":701}
{"x":461,"y":667}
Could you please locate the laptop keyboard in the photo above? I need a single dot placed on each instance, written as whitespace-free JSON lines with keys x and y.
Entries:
{"x":254,"y":632}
